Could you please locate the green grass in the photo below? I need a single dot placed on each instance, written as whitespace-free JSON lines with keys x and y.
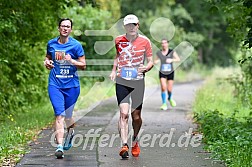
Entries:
{"x":219,"y":94}
{"x":17,"y":130}
{"x":224,"y":120}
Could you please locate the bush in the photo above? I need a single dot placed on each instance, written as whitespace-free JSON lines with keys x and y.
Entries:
{"x":227,"y":138}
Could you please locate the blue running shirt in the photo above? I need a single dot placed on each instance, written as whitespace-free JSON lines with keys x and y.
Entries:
{"x":64,"y":75}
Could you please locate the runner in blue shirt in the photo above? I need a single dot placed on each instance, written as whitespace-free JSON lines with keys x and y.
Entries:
{"x":64,"y":56}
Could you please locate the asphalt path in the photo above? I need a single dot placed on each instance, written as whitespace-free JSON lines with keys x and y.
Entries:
{"x":168,"y":138}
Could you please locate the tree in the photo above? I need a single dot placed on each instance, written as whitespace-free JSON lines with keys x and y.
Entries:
{"x":217,"y":47}
{"x":238,"y":15}
{"x":25,"y":26}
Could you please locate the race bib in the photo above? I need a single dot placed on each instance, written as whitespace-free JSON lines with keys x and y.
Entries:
{"x":64,"y":72}
{"x":129,"y":73}
{"x":166,"y":67}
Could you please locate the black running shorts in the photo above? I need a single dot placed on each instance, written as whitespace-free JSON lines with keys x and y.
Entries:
{"x":167,"y":76}
{"x":134,"y":89}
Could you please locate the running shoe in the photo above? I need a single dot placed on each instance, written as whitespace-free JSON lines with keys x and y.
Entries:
{"x":68,"y":139}
{"x":164,"y":107}
{"x":124,"y":152}
{"x":135,"y":151}
{"x":172,"y":102}
{"x":59,"y":153}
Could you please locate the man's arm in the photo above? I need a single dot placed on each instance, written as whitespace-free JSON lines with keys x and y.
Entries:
{"x":113,"y":73}
{"x":143,"y":69}
{"x":149,"y":64}
{"x":156,"y":60}
{"x":149,"y":57}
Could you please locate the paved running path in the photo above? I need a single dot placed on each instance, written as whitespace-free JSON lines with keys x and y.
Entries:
{"x":158,"y":127}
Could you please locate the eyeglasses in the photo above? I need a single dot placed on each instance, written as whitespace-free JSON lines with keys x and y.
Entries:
{"x":131,"y":24}
{"x":65,"y":26}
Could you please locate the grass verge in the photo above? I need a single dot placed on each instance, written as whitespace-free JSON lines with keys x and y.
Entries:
{"x":224,"y":120}
{"x":17,"y":130}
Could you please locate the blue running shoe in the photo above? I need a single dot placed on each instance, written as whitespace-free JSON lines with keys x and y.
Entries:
{"x":68,"y":140}
{"x":59,"y":153}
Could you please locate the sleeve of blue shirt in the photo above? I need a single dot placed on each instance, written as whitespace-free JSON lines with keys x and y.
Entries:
{"x":79,"y":50}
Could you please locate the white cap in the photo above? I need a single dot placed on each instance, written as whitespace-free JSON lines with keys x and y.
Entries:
{"x":130,"y":19}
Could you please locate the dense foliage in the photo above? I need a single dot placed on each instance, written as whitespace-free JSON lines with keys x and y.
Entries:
{"x":231,"y":141}
{"x":25,"y":27}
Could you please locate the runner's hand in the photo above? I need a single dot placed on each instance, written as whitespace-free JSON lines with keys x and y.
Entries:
{"x":142,"y":68}
{"x":112,"y":75}
{"x":48,"y":64}
{"x":168,"y":60}
{"x":68,"y":57}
